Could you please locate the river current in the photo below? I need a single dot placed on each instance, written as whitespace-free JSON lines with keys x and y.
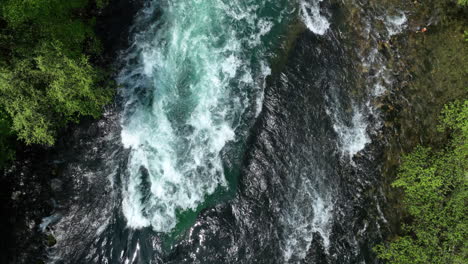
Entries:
{"x":241,"y":134}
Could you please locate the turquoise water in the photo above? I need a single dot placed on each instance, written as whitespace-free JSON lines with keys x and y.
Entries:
{"x":193,"y":85}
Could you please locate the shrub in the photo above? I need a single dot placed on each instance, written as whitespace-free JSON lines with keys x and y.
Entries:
{"x":46,"y":78}
{"x":435,"y":187}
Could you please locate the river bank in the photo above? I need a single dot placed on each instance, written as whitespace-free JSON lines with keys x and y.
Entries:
{"x":429,"y":63}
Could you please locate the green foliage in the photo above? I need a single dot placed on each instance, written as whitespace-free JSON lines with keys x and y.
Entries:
{"x":436,"y":195}
{"x":463,"y":2}
{"x":43,"y":93}
{"x":102,"y":3}
{"x":33,"y":21}
{"x":46,"y":78}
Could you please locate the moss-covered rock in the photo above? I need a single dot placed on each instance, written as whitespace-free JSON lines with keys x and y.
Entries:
{"x":51,"y":241}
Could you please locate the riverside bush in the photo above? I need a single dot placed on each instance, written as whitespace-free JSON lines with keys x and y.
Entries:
{"x":435,"y":196}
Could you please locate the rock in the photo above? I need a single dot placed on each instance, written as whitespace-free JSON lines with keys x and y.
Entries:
{"x":15,"y":195}
{"x":56,"y":185}
{"x":51,"y":241}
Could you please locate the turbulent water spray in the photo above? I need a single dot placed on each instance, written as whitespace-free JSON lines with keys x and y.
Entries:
{"x":308,"y":213}
{"x":352,"y":136}
{"x":310,"y":14}
{"x":396,"y":23}
{"x":191,"y":82}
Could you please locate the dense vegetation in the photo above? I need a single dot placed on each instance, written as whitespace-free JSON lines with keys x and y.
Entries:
{"x":435,"y":195}
{"x":47,"y":78}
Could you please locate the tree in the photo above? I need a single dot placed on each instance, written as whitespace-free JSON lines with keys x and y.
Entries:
{"x":46,"y":78}
{"x":436,"y":196}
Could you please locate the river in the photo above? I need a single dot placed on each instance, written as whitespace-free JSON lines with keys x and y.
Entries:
{"x":243,"y":132}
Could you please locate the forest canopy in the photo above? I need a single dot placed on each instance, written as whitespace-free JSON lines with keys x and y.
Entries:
{"x":47,"y":78}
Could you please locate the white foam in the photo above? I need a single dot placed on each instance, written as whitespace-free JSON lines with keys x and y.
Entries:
{"x":396,"y":23}
{"x":129,"y":140}
{"x":306,"y":215}
{"x":266,"y":71}
{"x":353,"y":138}
{"x":321,"y":222}
{"x":201,"y":79}
{"x":310,"y":14}
{"x":379,"y":90}
{"x":46,"y":221}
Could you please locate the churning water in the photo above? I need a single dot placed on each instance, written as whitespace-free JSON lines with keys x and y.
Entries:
{"x":193,"y":81}
{"x":250,"y":96}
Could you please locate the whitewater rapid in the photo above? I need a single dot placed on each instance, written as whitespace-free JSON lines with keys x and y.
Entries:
{"x":193,"y":81}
